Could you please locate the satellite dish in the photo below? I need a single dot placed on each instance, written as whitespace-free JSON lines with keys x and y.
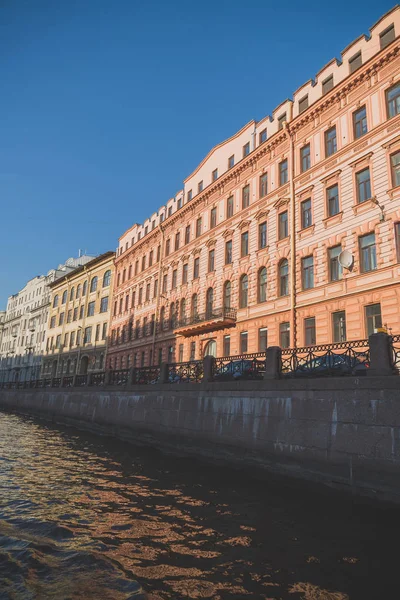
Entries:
{"x":345,"y":259}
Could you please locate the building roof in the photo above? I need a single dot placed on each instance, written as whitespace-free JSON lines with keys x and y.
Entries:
{"x":92,"y":263}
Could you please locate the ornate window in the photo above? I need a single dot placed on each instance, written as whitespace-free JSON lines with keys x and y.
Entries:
{"x":244,"y":291}
{"x":209,"y":302}
{"x":93,"y":284}
{"x":262,"y":285}
{"x":284,"y":278}
{"x":227,"y":294}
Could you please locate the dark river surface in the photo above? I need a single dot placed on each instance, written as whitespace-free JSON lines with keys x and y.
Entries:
{"x":83,"y":516}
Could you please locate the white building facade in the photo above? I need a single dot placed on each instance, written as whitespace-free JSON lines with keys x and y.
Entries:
{"x":22,"y":341}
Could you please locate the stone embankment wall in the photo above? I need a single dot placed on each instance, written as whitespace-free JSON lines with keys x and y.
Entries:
{"x":339,"y":431}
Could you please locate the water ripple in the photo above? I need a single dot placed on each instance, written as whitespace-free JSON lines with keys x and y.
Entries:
{"x":85,"y":517}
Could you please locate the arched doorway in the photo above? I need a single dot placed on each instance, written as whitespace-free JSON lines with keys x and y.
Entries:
{"x":84,"y":365}
{"x":210,"y":349}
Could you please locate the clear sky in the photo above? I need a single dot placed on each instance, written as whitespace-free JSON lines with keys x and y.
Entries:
{"x":106,"y":106}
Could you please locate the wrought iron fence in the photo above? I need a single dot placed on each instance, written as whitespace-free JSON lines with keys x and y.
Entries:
{"x":80,"y":380}
{"x":36,"y":383}
{"x":97,"y":378}
{"x":184,"y":372}
{"x":341,"y":358}
{"x":241,"y":366}
{"x":119,"y":377}
{"x":146,"y":375}
{"x":395,"y":343}
{"x":47,"y":382}
{"x":56,"y":382}
{"x":67,"y":381}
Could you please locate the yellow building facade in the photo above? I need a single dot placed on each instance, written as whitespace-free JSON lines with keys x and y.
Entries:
{"x":76,"y":339}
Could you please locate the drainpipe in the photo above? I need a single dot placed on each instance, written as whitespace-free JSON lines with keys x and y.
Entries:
{"x":292,"y":282}
{"x":158,"y":291}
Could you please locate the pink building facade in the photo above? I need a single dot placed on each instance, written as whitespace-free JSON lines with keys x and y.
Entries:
{"x":287,"y":233}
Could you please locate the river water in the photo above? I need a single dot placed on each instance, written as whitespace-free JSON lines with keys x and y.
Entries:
{"x":83,"y":516}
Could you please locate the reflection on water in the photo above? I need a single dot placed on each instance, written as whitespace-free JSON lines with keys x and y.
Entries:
{"x":88,"y":517}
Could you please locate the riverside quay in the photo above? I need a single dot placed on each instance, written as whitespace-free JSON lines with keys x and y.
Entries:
{"x":286,"y":234}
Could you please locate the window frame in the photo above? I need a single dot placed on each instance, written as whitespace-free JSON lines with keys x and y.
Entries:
{"x":244,"y":244}
{"x":371,"y":254}
{"x":283,"y":172}
{"x":262,"y":286}
{"x":338,"y":327}
{"x":306,"y":213}
{"x":363,"y":186}
{"x":283,"y":225}
{"x":263,"y":185}
{"x":363,"y":121}
{"x":307,"y":273}
{"x":330,"y":141}
{"x":305,"y":158}
{"x":310,"y":329}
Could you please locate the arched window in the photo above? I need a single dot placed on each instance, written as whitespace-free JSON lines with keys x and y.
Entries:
{"x":64,"y":297}
{"x":93,"y":284}
{"x":84,"y":289}
{"x":209,"y":302}
{"x":193,"y":308}
{"x":107,"y":278}
{"x":162,"y":315}
{"x":55,"y":301}
{"x":284,"y":278}
{"x":72,"y":293}
{"x":78,"y":291}
{"x":244,"y":289}
{"x":172,"y":314}
{"x":182,"y":313}
{"x":262,"y":285}
{"x":227,"y":294}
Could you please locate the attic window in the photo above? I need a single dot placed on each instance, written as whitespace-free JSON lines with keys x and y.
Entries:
{"x":303,"y":104}
{"x":281,"y":121}
{"x":387,"y":36}
{"x":327,"y":85}
{"x":355,"y":62}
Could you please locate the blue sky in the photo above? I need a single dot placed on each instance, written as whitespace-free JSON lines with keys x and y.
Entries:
{"x":107,"y":106}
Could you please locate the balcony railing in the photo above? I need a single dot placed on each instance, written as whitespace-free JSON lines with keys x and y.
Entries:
{"x":215,"y":318}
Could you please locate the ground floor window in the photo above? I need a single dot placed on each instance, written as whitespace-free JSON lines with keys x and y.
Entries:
{"x":373,"y":318}
{"x":262,"y":339}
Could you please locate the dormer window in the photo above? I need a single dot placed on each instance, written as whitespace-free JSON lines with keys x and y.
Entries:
{"x":355,"y":62}
{"x":281,"y":121}
{"x":327,"y":85}
{"x":387,"y":36}
{"x":303,"y":104}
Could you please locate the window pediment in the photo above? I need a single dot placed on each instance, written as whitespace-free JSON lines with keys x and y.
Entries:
{"x":361,"y":160}
{"x":210,"y":243}
{"x":306,"y":192}
{"x":243,"y":224}
{"x":392,"y":143}
{"x":261,"y":214}
{"x":227,"y":233}
{"x":196,"y":251}
{"x":281,"y":202}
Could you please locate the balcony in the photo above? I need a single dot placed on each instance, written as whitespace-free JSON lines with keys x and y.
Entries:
{"x":211,"y":320}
